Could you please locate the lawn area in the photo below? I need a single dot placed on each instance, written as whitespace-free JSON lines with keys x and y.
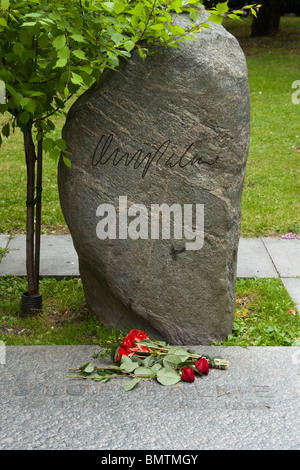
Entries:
{"x":270,"y":207}
{"x":271,"y":202}
{"x":263,"y":316}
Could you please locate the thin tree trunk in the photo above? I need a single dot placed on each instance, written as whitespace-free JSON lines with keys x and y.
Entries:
{"x":30,"y":163}
{"x":38,"y":213}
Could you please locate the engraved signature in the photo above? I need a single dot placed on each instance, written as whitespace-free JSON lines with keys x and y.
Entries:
{"x":106,"y":151}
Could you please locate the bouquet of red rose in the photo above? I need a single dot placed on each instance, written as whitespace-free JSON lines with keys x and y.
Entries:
{"x":141,"y":358}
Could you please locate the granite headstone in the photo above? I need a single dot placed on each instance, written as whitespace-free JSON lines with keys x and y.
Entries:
{"x":158,"y":153}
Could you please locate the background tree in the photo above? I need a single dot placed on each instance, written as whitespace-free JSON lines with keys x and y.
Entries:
{"x":268,"y":19}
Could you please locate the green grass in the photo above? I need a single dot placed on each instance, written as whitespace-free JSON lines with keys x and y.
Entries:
{"x":270,"y":202}
{"x":261,"y":316}
{"x":64,"y":319}
{"x":264,"y":315}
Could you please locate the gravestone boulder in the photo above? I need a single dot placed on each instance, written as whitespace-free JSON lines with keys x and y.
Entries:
{"x":158,"y":153}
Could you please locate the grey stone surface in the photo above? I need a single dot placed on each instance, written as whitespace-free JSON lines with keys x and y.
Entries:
{"x":292,"y":285}
{"x":4,"y":241}
{"x":172,"y":129}
{"x":286,"y":255}
{"x":252,"y":405}
{"x":58,"y":257}
{"x":254,"y":260}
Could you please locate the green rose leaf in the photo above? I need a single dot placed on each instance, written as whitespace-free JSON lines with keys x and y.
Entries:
{"x":89,"y":368}
{"x":129,"y":366}
{"x":155,"y":368}
{"x":180,"y":352}
{"x":167,"y":376}
{"x":144,"y":372}
{"x":130,"y":385}
{"x":171,"y":361}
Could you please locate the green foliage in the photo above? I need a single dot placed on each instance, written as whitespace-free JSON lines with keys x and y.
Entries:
{"x":268,"y":316}
{"x":50,"y":50}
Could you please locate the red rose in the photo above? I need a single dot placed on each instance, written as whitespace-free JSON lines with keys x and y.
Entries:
{"x":121,"y":352}
{"x":188,"y":374}
{"x":130,"y":344}
{"x":202,"y":366}
{"x":134,"y":336}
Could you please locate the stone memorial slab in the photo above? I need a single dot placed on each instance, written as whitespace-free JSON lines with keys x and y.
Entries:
{"x":254,"y":404}
{"x":158,"y":154}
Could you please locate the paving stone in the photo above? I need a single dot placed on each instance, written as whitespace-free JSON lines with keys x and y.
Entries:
{"x":252,"y":405}
{"x":292,"y":285}
{"x":58,"y":257}
{"x":285,"y":255}
{"x":4,"y":241}
{"x":253,"y":259}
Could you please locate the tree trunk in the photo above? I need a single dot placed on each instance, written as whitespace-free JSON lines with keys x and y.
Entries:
{"x":268,"y":18}
{"x":38,"y":213}
{"x":30,"y":163}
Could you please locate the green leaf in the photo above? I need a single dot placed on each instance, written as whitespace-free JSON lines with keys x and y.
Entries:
{"x":171,"y":361}
{"x":5,"y":4}
{"x":18,"y":49}
{"x":78,"y":38}
{"x":168,"y":376}
{"x":144,"y":372}
{"x":147,"y":342}
{"x":119,"y":7}
{"x":115,"y":35}
{"x":76,"y":79}
{"x":130,"y":385}
{"x":129,"y":366}
{"x":61,"y":63}
{"x":78,"y":53}
{"x":59,"y":42}
{"x":155,"y":368}
{"x":63,"y":53}
{"x":67,"y":161}
{"x":89,"y":368}
{"x":3,"y":22}
{"x":158,"y":27}
{"x":222,"y":7}
{"x":24,"y":117}
{"x":129,"y":45}
{"x":180,"y":352}
{"x":148,"y":361}
{"x":66,"y":92}
{"x":61,"y":144}
{"x":54,"y":153}
{"x":48,"y":144}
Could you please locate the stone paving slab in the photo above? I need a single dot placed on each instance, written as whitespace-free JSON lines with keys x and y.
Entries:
{"x":292,"y":285}
{"x":4,"y":241}
{"x":254,"y":260}
{"x":285,"y":255}
{"x":265,"y":258}
{"x":252,"y":405}
{"x":58,"y":257}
